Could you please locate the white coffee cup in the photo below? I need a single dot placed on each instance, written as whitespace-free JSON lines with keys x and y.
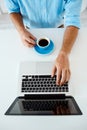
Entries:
{"x":43,"y":42}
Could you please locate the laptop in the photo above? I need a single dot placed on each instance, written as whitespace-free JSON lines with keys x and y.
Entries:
{"x":38,"y":93}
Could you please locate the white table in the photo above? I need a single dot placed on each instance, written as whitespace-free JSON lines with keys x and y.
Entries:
{"x":12,"y":52}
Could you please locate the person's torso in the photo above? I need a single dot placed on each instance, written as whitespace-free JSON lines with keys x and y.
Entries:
{"x":42,"y":13}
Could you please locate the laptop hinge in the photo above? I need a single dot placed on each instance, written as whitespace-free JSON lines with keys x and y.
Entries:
{"x":44,"y":96}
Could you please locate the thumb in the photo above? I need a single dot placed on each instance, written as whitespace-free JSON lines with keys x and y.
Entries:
{"x":53,"y":71}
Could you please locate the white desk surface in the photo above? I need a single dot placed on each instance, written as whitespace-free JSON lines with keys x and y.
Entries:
{"x":12,"y":52}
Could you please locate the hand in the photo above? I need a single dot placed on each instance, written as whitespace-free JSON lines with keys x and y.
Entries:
{"x":61,"y":68}
{"x":28,"y":39}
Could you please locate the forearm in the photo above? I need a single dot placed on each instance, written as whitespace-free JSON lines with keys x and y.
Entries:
{"x":70,"y":36}
{"x":17,"y":21}
{"x":61,"y":66}
{"x":27,"y":38}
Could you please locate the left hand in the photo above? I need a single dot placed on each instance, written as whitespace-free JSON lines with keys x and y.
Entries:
{"x":61,"y":68}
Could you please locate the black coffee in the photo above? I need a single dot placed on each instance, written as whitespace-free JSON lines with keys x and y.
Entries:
{"x":43,"y":42}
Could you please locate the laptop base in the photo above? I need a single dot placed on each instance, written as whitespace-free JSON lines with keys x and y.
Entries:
{"x":44,"y":105}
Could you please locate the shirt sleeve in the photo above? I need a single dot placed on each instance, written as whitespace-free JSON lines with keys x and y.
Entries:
{"x":12,"y":6}
{"x":72,"y":13}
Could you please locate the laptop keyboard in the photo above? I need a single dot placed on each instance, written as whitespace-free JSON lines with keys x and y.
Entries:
{"x":41,"y":83}
{"x":45,"y":105}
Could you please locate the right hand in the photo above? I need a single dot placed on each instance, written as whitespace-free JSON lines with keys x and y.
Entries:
{"x":28,"y":39}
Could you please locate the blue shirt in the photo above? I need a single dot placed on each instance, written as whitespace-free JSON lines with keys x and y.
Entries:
{"x":47,"y":13}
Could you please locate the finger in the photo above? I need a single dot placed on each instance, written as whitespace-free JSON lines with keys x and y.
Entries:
{"x":53,"y":71}
{"x":30,"y":41}
{"x":33,"y":37}
{"x":68,"y":75}
{"x":28,"y":44}
{"x":64,"y":77}
{"x":58,"y":76}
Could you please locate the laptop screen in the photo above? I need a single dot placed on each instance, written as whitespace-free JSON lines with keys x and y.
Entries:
{"x":44,"y":106}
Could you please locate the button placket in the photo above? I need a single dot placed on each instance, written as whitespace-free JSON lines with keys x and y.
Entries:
{"x":44,"y":16}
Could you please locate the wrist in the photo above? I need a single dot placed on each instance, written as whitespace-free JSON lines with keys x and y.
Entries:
{"x":22,"y":31}
{"x":64,"y":52}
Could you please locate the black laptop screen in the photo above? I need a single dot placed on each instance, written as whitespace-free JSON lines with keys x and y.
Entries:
{"x":22,"y":106}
